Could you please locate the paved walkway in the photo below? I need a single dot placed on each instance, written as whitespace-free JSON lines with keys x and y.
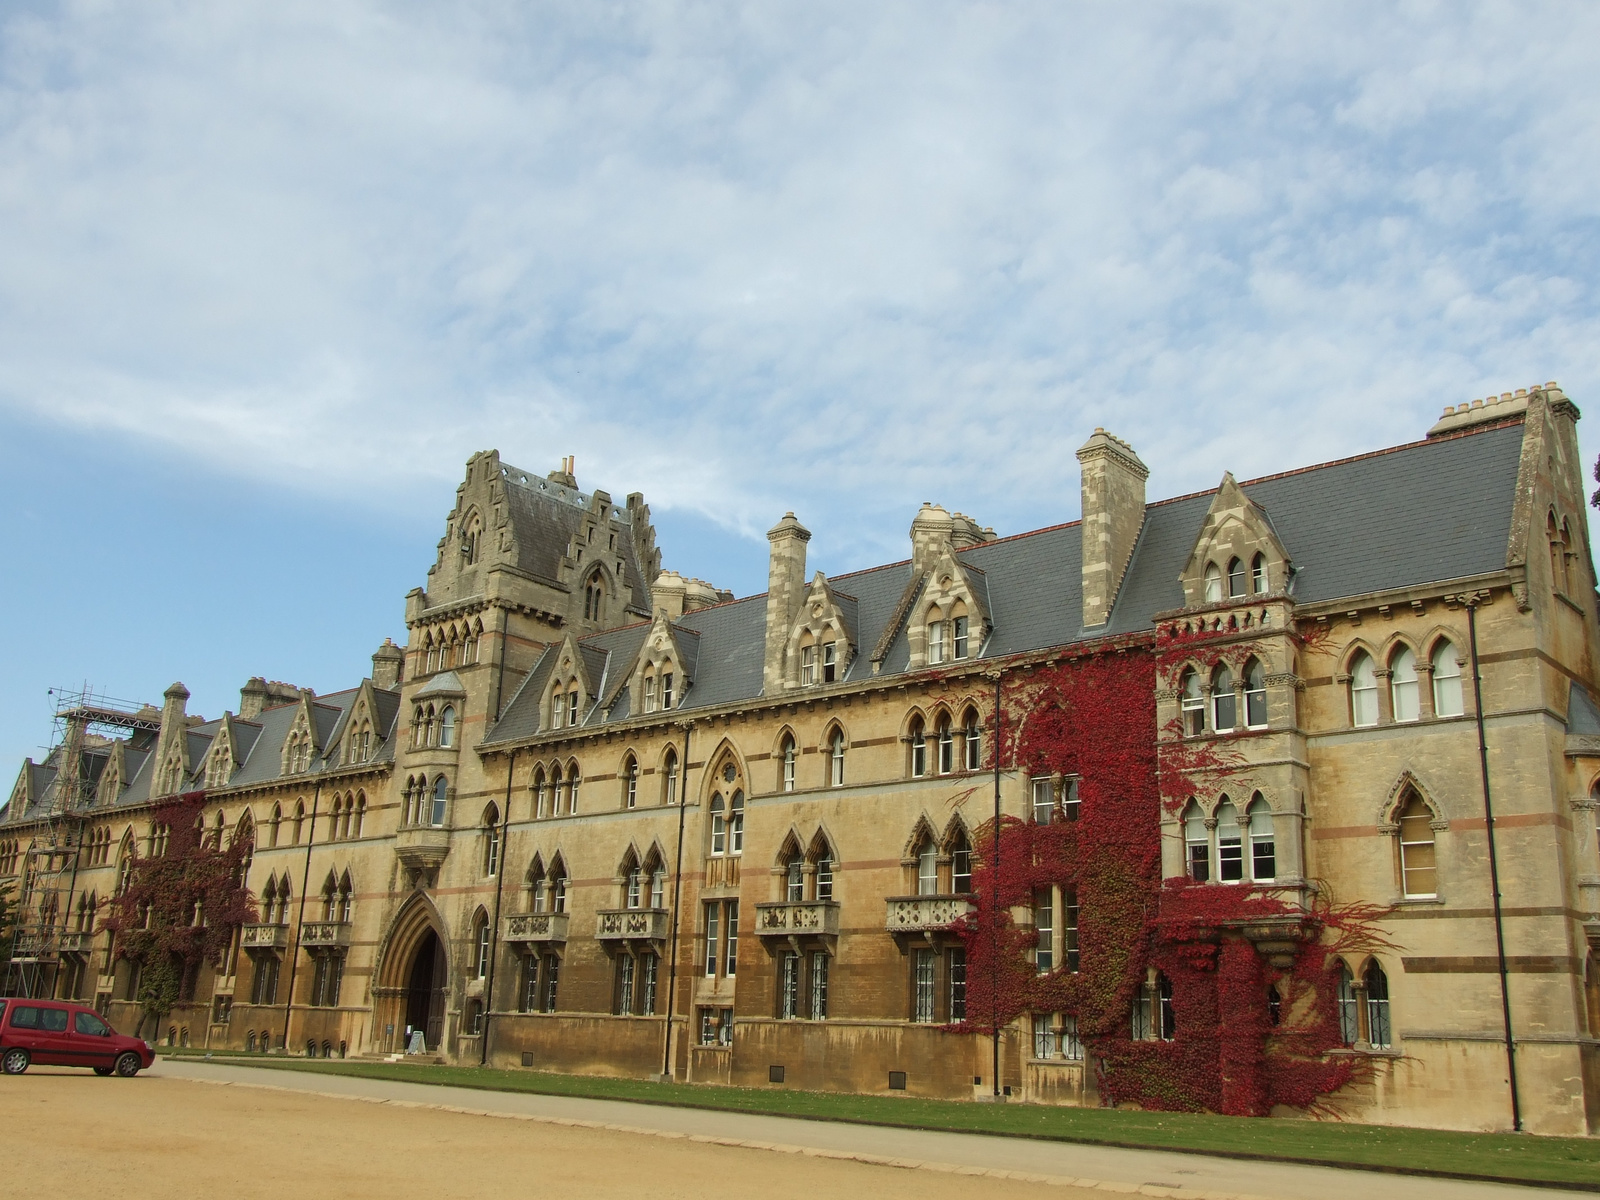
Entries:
{"x":1152,"y":1172}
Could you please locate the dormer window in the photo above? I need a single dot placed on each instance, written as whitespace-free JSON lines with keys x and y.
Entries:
{"x":649,"y":693}
{"x":830,"y":661}
{"x":808,"y":665}
{"x":1213,"y":591}
{"x":960,"y":640}
{"x":666,"y":690}
{"x":1258,"y":574}
{"x":935,"y":638}
{"x":572,"y":707}
{"x":1235,"y":579}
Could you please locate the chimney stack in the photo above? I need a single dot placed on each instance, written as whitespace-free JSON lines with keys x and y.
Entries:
{"x":786,"y":588}
{"x":1113,"y":513}
{"x":388,"y":663}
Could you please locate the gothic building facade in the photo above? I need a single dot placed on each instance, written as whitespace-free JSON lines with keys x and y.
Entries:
{"x":592,"y":816}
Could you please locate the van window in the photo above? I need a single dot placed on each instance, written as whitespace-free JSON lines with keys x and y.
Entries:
{"x":90,"y":1024}
{"x":26,"y":1017}
{"x":53,"y":1020}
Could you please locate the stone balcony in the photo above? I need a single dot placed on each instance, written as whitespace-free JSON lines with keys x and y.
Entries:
{"x":76,"y":942}
{"x":31,"y":947}
{"x":925,"y":914}
{"x":631,"y":925}
{"x":798,"y":919}
{"x":264,"y":937}
{"x":325,"y":935}
{"x":534,"y":927}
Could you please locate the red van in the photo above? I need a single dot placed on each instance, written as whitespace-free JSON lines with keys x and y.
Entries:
{"x":57,"y":1034}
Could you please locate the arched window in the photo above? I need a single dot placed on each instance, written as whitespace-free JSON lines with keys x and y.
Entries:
{"x":361,"y":812}
{"x":1566,"y":557}
{"x":719,"y":825}
{"x":1235,"y":578}
{"x":794,"y":878}
{"x":441,"y":794}
{"x":630,"y":783}
{"x":786,"y":775}
{"x":1197,"y":843}
{"x":633,"y":886}
{"x":447,"y":726}
{"x":1255,"y":694}
{"x":1378,"y":1028}
{"x":592,"y":595}
{"x":537,"y":786}
{"x":823,"y":863}
{"x":836,"y":759}
{"x":972,"y":747}
{"x":1193,"y":704}
{"x":1403,"y":685}
{"x":927,"y":868}
{"x":1224,"y":701}
{"x":572,"y":789}
{"x":535,"y":882}
{"x":1349,"y":1025}
{"x":1263,"y":841}
{"x":960,"y":635}
{"x":1446,"y":681}
{"x":558,"y":887}
{"x":919,"y":749}
{"x":947,"y":745}
{"x":1558,"y":557}
{"x":1418,"y":869}
{"x":736,"y":824}
{"x":272,"y":824}
{"x":491,"y":840}
{"x":555,"y":790}
{"x":471,"y":534}
{"x":1258,"y":573}
{"x":347,"y":895}
{"x":1363,"y":691}
{"x":669,"y":778}
{"x":1230,"y":844}
{"x":936,"y":635}
{"x":1213,"y":592}
{"x":961,"y":864}
{"x":299,"y":820}
{"x":480,"y":942}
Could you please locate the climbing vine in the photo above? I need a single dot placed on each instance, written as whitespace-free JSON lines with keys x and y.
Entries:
{"x":180,"y":908}
{"x":1249,"y":1035}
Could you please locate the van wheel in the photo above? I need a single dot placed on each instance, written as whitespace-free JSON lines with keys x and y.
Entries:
{"x":102,"y":1070}
{"x":15,"y":1062}
{"x":127,"y":1065}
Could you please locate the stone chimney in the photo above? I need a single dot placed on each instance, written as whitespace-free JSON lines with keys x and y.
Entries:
{"x":786,"y":588}
{"x":932,"y":531}
{"x":258,"y":694}
{"x":388,"y":664}
{"x":1113,"y":512}
{"x":697,"y":593}
{"x":667,"y":592}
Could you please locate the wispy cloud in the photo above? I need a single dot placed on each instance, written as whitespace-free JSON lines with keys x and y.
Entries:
{"x":833,"y":258}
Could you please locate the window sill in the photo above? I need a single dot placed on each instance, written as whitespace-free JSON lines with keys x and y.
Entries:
{"x":1419,"y":902}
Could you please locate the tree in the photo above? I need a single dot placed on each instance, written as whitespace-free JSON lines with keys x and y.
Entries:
{"x":180,"y":908}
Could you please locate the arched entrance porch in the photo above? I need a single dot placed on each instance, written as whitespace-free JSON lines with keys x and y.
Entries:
{"x":412,"y":985}
{"x":425,"y":990}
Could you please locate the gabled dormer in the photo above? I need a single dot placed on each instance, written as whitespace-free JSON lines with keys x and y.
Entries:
{"x":222,"y":759}
{"x":822,"y":639}
{"x":662,"y":671}
{"x":570,"y":691}
{"x":950,"y":619}
{"x":301,"y":745}
{"x":108,"y":789}
{"x":362,"y":734}
{"x":172,"y":766}
{"x":1238,"y":554}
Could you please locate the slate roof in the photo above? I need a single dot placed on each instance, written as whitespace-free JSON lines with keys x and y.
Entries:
{"x":546,"y":517}
{"x":1421,"y":513}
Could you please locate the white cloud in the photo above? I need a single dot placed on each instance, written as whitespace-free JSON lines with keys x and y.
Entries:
{"x":830,"y":258}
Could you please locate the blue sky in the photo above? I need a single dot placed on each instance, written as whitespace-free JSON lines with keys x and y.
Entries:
{"x":269,"y":273}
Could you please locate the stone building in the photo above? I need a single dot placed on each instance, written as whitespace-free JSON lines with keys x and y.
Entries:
{"x":587,"y":792}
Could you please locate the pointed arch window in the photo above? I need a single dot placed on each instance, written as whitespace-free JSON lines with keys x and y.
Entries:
{"x":947,"y":745}
{"x":447,"y":726}
{"x":927,"y":868}
{"x":719,"y":825}
{"x":836,"y":759}
{"x":669,"y":784}
{"x":1255,"y":695}
{"x":794,"y":879}
{"x":1447,"y":699}
{"x":1224,"y":701}
{"x":1230,"y":844}
{"x":1378,"y":1026}
{"x":441,"y":796}
{"x":593,"y":593}
{"x":1403,"y":685}
{"x":1263,"y":840}
{"x":1419,"y":876}
{"x":1193,"y":704}
{"x":630,"y":783}
{"x":736,"y":823}
{"x":824,"y":871}
{"x":961,"y":865}
{"x":1258,"y":573}
{"x":1363,"y":691}
{"x":919,"y":749}
{"x":1349,"y":1025}
{"x":787,"y":779}
{"x":558,"y":887}
{"x":972,"y":748}
{"x":1235,"y":578}
{"x":537,"y":787}
{"x":491,"y":840}
{"x":480,"y":941}
{"x":1213,"y":584}
{"x":573,"y":781}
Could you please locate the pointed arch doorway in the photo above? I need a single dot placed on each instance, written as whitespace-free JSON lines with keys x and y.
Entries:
{"x":425,"y":989}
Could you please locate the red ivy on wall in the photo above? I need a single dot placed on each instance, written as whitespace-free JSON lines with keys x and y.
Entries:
{"x":180,"y":908}
{"x":1234,"y":1051}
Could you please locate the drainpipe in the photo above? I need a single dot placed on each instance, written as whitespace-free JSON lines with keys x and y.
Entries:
{"x":305,"y":882}
{"x":994,"y":913}
{"x":1494,"y":865}
{"x":494,"y":930}
{"x":677,"y":893}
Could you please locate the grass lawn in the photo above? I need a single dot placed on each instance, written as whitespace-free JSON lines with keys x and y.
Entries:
{"x":1501,"y":1156}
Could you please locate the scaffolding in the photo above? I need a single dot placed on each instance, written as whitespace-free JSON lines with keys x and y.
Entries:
{"x":84,"y":721}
